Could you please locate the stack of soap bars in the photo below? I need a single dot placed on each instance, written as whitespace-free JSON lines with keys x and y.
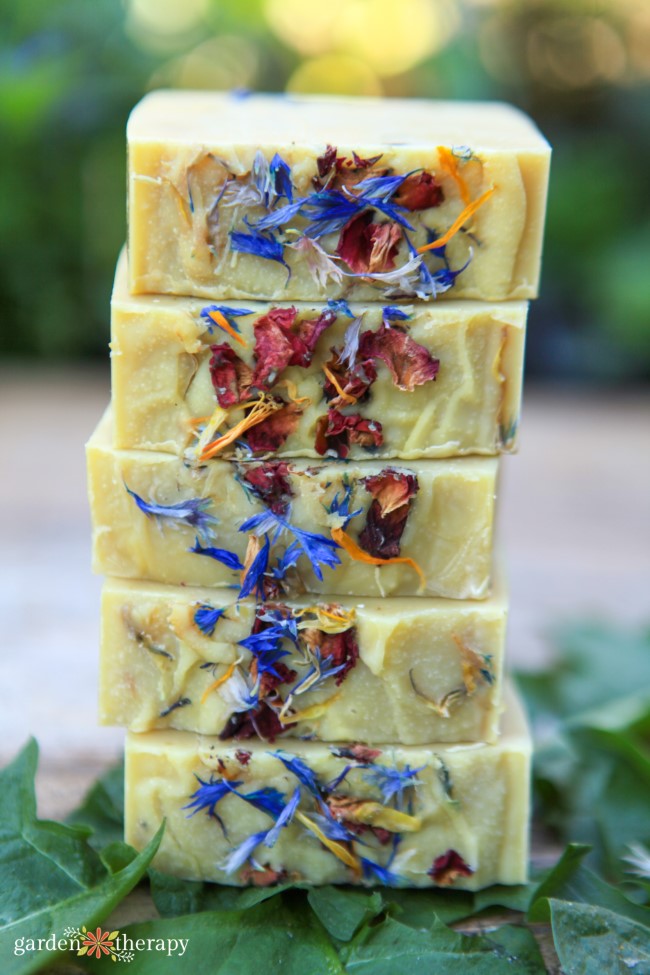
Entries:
{"x":317,"y":345}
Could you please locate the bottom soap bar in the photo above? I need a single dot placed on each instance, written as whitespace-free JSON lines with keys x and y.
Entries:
{"x":442,"y":815}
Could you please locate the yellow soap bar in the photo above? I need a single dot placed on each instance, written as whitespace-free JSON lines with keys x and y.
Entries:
{"x":314,"y":197}
{"x":364,"y":528}
{"x":401,"y":670}
{"x":417,"y":816}
{"x":170,"y":361}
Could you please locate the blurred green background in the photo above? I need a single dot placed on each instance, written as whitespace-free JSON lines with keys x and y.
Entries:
{"x":70,"y":70}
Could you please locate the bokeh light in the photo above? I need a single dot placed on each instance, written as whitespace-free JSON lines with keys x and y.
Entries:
{"x":219,"y":63}
{"x":164,"y":24}
{"x":336,"y":74}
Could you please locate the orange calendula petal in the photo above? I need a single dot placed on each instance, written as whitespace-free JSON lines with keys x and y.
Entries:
{"x":449,"y":163}
{"x":339,"y":850}
{"x":337,"y":386}
{"x":458,"y":222}
{"x":227,"y":674}
{"x":259,"y":410}
{"x":358,"y":554}
{"x":219,"y":319}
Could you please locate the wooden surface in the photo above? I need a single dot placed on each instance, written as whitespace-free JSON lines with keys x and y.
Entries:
{"x":574,"y":522}
{"x":574,"y":515}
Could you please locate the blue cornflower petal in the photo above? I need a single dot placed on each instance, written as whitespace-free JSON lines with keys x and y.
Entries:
{"x":280,"y":172}
{"x":342,"y":507}
{"x":392,"y":781}
{"x":332,"y":828}
{"x":390,"y":313}
{"x":206,"y":618}
{"x":284,"y":818}
{"x":380,"y":187}
{"x":340,"y":306}
{"x":324,"y":669}
{"x":277,"y":218}
{"x":374,"y":871}
{"x":268,"y":800}
{"x":318,"y":549}
{"x":219,"y":554}
{"x":243,"y":852}
{"x":262,"y":523}
{"x":228,"y":313}
{"x":258,"y":244}
{"x":192,"y":512}
{"x":287,"y":560}
{"x":209,"y":794}
{"x":301,"y":770}
{"x":254,"y":578}
{"x":329,"y":211}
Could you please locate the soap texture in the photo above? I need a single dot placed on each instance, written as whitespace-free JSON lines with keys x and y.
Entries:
{"x":363,"y":528}
{"x":437,"y":815}
{"x":360,"y":380}
{"x":305,"y":198}
{"x":400,"y":670}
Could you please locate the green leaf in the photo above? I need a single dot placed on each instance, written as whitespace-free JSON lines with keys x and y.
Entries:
{"x":51,"y":877}
{"x":595,"y":941}
{"x":173,"y":897}
{"x":272,"y":937}
{"x":393,"y":948}
{"x":102,"y":808}
{"x":342,"y":910}
{"x":570,"y":880}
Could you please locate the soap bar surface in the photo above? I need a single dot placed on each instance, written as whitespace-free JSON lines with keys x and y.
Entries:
{"x":364,"y":528}
{"x":441,"y":815}
{"x":399,"y":670}
{"x":436,"y":381}
{"x":317,"y":197}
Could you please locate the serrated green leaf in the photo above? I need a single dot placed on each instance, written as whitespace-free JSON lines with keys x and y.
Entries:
{"x":272,"y":937}
{"x":594,"y":941}
{"x":393,"y":948}
{"x":51,"y":877}
{"x":570,"y":880}
{"x":342,"y":910}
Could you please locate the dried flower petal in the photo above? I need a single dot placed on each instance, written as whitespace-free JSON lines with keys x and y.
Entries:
{"x":272,"y":432}
{"x":230,"y":375}
{"x":409,"y":362}
{"x":281,"y":341}
{"x":321,"y":266}
{"x":341,"y":650}
{"x":206,"y":618}
{"x":192,"y":512}
{"x":270,"y":483}
{"x":368,"y":247}
{"x":368,"y":812}
{"x":345,"y":385}
{"x":392,"y":492}
{"x":230,"y":559}
{"x":335,"y":433}
{"x":419,"y":191}
{"x":448,"y":867}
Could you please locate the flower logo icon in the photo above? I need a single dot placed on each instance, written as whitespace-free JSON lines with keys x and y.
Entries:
{"x":99,"y":943}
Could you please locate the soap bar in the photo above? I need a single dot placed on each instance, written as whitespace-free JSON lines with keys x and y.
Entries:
{"x":419,"y":816}
{"x":401,"y":669}
{"x":434,"y":380}
{"x":363,"y":528}
{"x":308,"y":198}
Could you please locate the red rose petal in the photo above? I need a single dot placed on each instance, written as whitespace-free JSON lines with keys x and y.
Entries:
{"x":231,"y":376}
{"x":419,"y":191}
{"x":410,"y":363}
{"x":336,"y":433}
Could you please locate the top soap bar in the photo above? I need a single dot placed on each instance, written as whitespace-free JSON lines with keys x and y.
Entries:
{"x":304,"y":198}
